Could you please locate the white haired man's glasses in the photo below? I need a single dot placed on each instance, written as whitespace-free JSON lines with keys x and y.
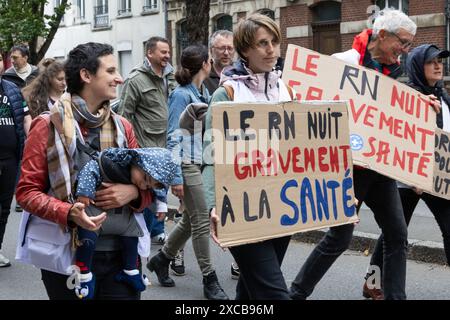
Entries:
{"x":406,"y":44}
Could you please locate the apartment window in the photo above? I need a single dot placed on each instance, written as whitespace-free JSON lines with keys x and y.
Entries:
{"x":182,"y":37}
{"x":150,"y":5}
{"x":224,"y":23}
{"x":101,"y":16}
{"x":402,"y":5}
{"x":267,"y":12}
{"x":124,"y":7}
{"x":81,"y":10}
{"x":126,"y":64}
{"x":326,"y":27}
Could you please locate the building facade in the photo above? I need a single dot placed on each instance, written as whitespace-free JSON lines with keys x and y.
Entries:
{"x":124,"y":24}
{"x":321,"y":25}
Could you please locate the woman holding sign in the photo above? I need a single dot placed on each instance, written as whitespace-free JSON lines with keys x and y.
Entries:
{"x":425,"y":71}
{"x":253,"y":78}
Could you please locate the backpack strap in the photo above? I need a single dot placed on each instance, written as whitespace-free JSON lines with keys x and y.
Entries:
{"x":87,"y":149}
{"x":291,"y":92}
{"x":120,"y":127}
{"x":230,"y":91}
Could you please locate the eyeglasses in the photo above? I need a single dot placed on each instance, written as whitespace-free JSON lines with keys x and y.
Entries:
{"x":405,"y":43}
{"x":225,"y":48}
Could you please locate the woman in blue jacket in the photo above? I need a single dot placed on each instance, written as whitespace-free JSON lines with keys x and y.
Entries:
{"x":195,"y":68}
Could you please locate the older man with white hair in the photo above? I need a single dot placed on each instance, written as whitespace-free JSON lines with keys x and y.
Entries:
{"x":378,"y":48}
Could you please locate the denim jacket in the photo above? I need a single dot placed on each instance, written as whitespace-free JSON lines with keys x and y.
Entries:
{"x":185,"y":150}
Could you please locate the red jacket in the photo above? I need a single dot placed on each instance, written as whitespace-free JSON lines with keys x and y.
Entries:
{"x":31,"y":192}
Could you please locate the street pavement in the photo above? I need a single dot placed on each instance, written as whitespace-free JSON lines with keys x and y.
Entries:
{"x":425,"y":281}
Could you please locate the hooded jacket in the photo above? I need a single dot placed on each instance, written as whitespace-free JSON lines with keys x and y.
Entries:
{"x":194,"y":112}
{"x":247,"y":87}
{"x":144,"y":103}
{"x":12,"y":76}
{"x":262,"y":86}
{"x":415,"y":70}
{"x":18,"y":106}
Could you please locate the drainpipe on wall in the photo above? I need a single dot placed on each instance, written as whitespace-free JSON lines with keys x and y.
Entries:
{"x":166,"y":25}
{"x":447,"y":35}
{"x":166,"y":17}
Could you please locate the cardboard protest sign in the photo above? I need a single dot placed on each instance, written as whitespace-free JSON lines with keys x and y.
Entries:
{"x":391,"y":125}
{"x":441,"y":178}
{"x":281,"y":169}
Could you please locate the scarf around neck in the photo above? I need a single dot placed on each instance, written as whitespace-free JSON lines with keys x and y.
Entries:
{"x":66,"y":116}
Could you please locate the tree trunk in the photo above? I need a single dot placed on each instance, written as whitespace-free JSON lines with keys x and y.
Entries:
{"x":197,"y":13}
{"x":39,"y":55}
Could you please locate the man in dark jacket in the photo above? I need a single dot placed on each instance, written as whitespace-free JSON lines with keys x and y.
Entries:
{"x":21,"y":73}
{"x":378,"y":48}
{"x":222,"y":52}
{"x":424,"y":67}
{"x":13,"y":111}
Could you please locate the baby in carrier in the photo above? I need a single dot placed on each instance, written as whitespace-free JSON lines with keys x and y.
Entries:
{"x":146,"y":168}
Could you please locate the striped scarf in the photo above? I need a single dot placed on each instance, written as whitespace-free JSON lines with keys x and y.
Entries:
{"x":66,"y":115}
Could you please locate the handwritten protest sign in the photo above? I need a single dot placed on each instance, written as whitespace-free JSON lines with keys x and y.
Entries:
{"x":441,"y":179}
{"x":281,"y":169}
{"x":391,"y":125}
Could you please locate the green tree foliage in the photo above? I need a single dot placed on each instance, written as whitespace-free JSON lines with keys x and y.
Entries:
{"x":24,"y":22}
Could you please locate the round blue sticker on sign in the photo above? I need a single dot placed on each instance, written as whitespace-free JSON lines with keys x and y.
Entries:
{"x":356,"y":142}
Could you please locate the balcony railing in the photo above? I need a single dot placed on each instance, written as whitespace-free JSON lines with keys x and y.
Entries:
{"x":101,"y":17}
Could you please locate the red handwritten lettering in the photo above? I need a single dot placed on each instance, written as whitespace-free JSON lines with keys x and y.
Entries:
{"x":369,"y":116}
{"x":309,"y":68}
{"x":310,"y":159}
{"x":424,"y":134}
{"x":323,"y":166}
{"x":423,"y":164}
{"x":293,"y":84}
{"x":314,"y":93}
{"x":296,"y":159}
{"x":245,"y":170}
{"x":258,"y":159}
{"x":345,"y":150}
{"x":356,"y":113}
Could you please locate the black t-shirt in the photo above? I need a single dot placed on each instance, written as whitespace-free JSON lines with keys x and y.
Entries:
{"x":8,"y":137}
